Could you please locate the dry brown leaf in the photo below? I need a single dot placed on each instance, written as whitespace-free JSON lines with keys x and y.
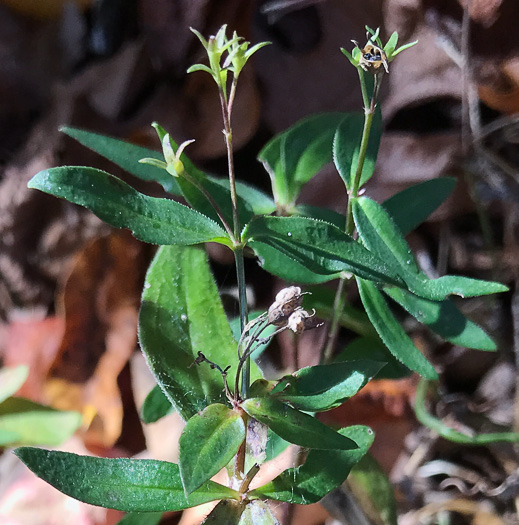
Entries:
{"x":100,"y":299}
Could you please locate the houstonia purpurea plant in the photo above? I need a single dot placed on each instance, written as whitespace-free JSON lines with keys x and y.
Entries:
{"x":208,"y":374}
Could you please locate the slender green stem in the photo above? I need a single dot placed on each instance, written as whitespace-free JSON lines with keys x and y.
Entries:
{"x":446,"y":432}
{"x":365,"y":98}
{"x":353,"y":192}
{"x":230,"y":163}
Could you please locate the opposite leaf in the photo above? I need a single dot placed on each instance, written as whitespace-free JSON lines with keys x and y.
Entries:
{"x":208,"y":442}
{"x":390,"y":331}
{"x":323,"y":387}
{"x":316,"y":245}
{"x":227,"y":512}
{"x":157,"y":221}
{"x":130,"y":485}
{"x":294,"y":426}
{"x":323,"y":471}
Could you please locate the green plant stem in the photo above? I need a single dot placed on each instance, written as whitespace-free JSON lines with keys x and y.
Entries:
{"x":446,"y":432}
{"x":230,"y":163}
{"x":340,"y":299}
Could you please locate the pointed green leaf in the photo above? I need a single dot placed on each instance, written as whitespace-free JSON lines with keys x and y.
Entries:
{"x":410,"y":207}
{"x":141,"y":518}
{"x":381,"y":236}
{"x":258,"y":512}
{"x":443,"y":318}
{"x":294,"y":426}
{"x":208,"y":442}
{"x":155,"y":406}
{"x":373,"y":490}
{"x":35,"y":424}
{"x":296,"y":155}
{"x":182,"y":314}
{"x":390,"y":331}
{"x":323,"y":387}
{"x":130,"y":485}
{"x":346,"y":147}
{"x":157,"y":221}
{"x":323,"y":471}
{"x":404,"y":47}
{"x":321,"y":214}
{"x":316,"y":245}
{"x":125,"y":155}
{"x":11,"y":380}
{"x":437,"y":289}
{"x":227,"y":512}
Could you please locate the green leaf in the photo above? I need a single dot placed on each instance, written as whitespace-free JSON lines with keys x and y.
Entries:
{"x":410,"y":207}
{"x":374,"y":349}
{"x":316,"y":245}
{"x":294,"y":426}
{"x":323,"y":387}
{"x":35,"y":424}
{"x":373,"y":490}
{"x":157,"y":221}
{"x":346,"y":147}
{"x":257,"y":512}
{"x":391,"y":332}
{"x":155,"y":406}
{"x":182,"y":314}
{"x":141,"y":518}
{"x":381,"y":236}
{"x":11,"y":380}
{"x":208,"y":442}
{"x":130,"y":485}
{"x":296,"y":155}
{"x":437,"y":289}
{"x":125,"y":155}
{"x":443,"y":318}
{"x":227,"y":512}
{"x":323,"y":471}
